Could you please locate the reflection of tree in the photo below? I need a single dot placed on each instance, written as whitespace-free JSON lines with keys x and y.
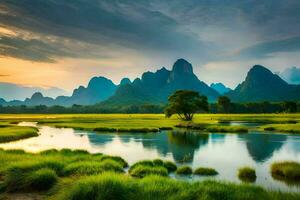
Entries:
{"x":181,"y":145}
{"x":261,"y":146}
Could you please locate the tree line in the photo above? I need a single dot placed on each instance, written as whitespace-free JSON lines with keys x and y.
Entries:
{"x":181,"y":100}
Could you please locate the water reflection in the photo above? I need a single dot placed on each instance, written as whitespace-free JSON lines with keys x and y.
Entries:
{"x":181,"y":145}
{"x":262,"y":146}
{"x":224,"y":152}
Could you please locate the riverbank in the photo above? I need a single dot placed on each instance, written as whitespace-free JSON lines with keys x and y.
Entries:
{"x":156,"y":122}
{"x":88,"y":176}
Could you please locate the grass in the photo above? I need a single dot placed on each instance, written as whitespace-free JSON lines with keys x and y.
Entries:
{"x":148,"y":167}
{"x":287,"y":171}
{"x":22,"y":170}
{"x":141,"y":171}
{"x":10,"y":133}
{"x":118,"y":186}
{"x":283,"y":128}
{"x":184,"y":170}
{"x":143,"y":123}
{"x":171,"y":167}
{"x":247,"y":174}
{"x":205,"y":171}
{"x":49,"y":172}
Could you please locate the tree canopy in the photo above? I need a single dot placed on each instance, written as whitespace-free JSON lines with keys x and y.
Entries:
{"x":186,"y":103}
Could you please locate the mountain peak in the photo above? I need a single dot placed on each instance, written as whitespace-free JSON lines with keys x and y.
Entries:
{"x":125,"y":81}
{"x":37,"y":95}
{"x":259,"y":69}
{"x":96,"y":81}
{"x":182,"y":66}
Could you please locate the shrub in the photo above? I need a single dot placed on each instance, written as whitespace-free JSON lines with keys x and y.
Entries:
{"x":28,"y":166}
{"x":185,"y":170}
{"x":287,"y":171}
{"x":159,"y":187}
{"x":102,"y":187}
{"x":83,"y":168}
{"x":42,"y":179}
{"x":171,"y":167}
{"x":158,"y":162}
{"x":111,"y":165}
{"x":205,"y":171}
{"x":247,"y":174}
{"x":118,"y":159}
{"x":141,"y":171}
{"x":18,"y":180}
{"x":141,"y":163}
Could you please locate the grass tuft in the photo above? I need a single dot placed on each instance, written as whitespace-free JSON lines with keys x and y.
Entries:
{"x":247,"y":174}
{"x":141,"y":171}
{"x":171,"y":166}
{"x":205,"y":171}
{"x":287,"y":171}
{"x":184,"y":170}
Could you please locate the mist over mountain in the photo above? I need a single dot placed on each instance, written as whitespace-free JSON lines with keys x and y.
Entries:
{"x":263,"y":85}
{"x":155,"y":88}
{"x":10,"y":91}
{"x":220,"y":87}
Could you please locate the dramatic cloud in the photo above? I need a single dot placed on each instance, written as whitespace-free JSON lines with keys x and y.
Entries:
{"x":291,"y":75}
{"x":147,"y":34}
{"x":266,"y":49}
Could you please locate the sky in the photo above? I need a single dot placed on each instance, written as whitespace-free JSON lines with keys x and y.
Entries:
{"x":63,"y":43}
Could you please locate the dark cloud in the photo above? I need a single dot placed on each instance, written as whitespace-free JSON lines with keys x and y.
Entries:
{"x":291,"y":75}
{"x":44,"y":50}
{"x":120,"y":23}
{"x":3,"y":75}
{"x":206,"y":30}
{"x":266,"y":49}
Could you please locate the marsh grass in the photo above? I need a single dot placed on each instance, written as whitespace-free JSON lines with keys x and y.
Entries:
{"x":148,"y":167}
{"x":20,"y":170}
{"x":247,"y":174}
{"x":283,"y":128}
{"x":205,"y":171}
{"x":184,"y":170}
{"x":287,"y":171}
{"x":141,"y":171}
{"x":171,"y":166}
{"x":10,"y":133}
{"x":118,"y":186}
{"x":46,"y":172}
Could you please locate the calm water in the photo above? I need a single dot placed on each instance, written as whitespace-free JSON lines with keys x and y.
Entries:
{"x":224,"y":152}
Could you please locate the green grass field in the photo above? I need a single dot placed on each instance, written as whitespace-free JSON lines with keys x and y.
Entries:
{"x":74,"y":175}
{"x":10,"y":133}
{"x":153,"y":122}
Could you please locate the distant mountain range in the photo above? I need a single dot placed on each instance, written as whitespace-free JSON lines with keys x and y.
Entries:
{"x":10,"y":91}
{"x":155,"y":87}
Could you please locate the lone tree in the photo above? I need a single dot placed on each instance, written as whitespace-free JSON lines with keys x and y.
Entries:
{"x":186,"y":103}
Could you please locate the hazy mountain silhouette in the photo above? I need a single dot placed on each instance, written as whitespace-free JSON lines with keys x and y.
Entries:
{"x":262,"y":85}
{"x":98,"y":89}
{"x":155,"y":87}
{"x":10,"y":91}
{"x":220,"y":87}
